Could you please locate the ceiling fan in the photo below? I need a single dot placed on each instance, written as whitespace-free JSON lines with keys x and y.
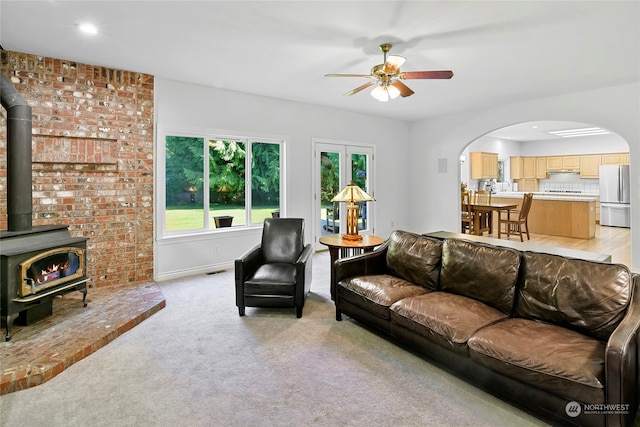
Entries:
{"x":387,"y":77}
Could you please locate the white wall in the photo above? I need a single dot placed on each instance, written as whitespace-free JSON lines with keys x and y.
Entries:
{"x":438,"y":141}
{"x":181,"y":106}
{"x":577,"y":145}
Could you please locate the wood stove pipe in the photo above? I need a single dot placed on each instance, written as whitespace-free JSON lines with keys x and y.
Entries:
{"x":19,"y":197}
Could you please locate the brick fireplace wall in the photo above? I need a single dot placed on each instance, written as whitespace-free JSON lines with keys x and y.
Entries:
{"x":92,"y":159}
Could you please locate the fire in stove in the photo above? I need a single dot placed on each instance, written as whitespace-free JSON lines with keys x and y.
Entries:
{"x":51,"y":268}
{"x":52,"y":274}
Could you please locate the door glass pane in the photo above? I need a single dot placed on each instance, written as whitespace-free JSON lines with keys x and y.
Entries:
{"x":184,"y":171}
{"x":227,"y":183}
{"x":329,"y":187}
{"x":265,"y":181}
{"x":359,"y":175}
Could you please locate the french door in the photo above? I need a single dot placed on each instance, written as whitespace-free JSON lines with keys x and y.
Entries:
{"x":335,"y":165}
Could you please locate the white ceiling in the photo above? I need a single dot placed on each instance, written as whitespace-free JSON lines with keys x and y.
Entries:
{"x":501,"y":52}
{"x":540,"y":131}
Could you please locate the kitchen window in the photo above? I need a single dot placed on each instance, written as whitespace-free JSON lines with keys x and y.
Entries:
{"x":500,"y":170}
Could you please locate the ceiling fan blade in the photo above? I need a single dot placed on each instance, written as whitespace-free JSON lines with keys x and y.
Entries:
{"x":403,"y":88}
{"x":426,"y":75}
{"x":360,"y":88}
{"x":393,"y":64}
{"x":366,"y":76}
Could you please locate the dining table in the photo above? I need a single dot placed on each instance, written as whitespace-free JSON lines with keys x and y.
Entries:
{"x":483,"y":215}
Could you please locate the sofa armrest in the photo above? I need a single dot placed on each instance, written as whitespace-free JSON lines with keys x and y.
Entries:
{"x":622,"y":360}
{"x":374,"y":262}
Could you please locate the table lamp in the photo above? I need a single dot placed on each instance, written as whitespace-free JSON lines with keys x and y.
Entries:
{"x":352,"y":194}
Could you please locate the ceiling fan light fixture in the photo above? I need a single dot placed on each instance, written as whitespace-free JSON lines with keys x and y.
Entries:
{"x":380,"y":93}
{"x":387,"y":76}
{"x":393,"y":91}
{"x":384,"y":92}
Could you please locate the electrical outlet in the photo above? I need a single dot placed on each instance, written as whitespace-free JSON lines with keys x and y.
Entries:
{"x":216,"y":249}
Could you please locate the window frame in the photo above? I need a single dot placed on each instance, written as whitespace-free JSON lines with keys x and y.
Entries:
{"x":208,"y":227}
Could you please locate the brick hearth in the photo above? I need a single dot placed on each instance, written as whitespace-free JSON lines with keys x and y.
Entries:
{"x":39,"y":352}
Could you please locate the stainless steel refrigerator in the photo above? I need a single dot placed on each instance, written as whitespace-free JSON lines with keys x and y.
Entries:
{"x":615,"y":201}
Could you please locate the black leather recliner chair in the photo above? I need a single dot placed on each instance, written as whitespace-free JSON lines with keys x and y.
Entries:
{"x":277,"y":272}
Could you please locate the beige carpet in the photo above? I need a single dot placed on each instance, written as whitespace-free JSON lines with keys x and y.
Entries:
{"x":197,"y":363}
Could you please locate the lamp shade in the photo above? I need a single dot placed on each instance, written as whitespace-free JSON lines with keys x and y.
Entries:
{"x":393,"y":64}
{"x":352,"y":193}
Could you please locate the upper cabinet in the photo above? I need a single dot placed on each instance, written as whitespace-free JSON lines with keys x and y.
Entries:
{"x":541,"y":167}
{"x":563,"y":163}
{"x":590,"y":166}
{"x":484,"y":165}
{"x":523,"y":167}
{"x":571,"y":162}
{"x":554,"y":163}
{"x":529,"y":168}
{"x":615,"y":159}
{"x":516,"y":166}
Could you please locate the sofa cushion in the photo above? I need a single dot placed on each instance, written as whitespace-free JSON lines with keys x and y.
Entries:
{"x":415,"y":258}
{"x":480,"y":271}
{"x":556,"y":359}
{"x":446,"y":318}
{"x":377,"y":292}
{"x":588,"y":296}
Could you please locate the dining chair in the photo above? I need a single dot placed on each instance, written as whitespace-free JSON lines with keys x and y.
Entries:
{"x":516,"y":220}
{"x":483,"y":217}
{"x":467,"y":212}
{"x":482,"y":197}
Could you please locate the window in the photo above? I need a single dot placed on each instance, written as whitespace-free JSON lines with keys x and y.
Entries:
{"x":208,"y":179}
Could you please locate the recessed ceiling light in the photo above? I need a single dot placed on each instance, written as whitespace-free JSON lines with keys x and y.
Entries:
{"x":535,"y":127}
{"x":88,"y":28}
{"x":568,"y":133}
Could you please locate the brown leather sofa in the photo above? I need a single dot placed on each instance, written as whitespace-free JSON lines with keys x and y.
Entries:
{"x":555,"y":336}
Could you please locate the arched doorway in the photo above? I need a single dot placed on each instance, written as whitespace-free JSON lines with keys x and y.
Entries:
{"x":540,"y":142}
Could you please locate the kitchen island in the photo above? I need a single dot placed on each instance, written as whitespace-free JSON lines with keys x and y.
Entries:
{"x":557,"y":214}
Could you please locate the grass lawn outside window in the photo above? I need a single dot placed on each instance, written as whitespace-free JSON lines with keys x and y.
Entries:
{"x":185,"y":218}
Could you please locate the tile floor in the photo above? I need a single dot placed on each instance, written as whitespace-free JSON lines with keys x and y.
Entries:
{"x":39,"y":352}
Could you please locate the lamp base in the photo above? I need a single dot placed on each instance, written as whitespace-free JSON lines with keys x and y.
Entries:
{"x":352,"y":237}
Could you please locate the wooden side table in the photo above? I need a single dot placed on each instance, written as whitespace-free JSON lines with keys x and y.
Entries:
{"x":340,"y":248}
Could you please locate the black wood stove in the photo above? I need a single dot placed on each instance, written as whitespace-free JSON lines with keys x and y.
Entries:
{"x":36,"y":266}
